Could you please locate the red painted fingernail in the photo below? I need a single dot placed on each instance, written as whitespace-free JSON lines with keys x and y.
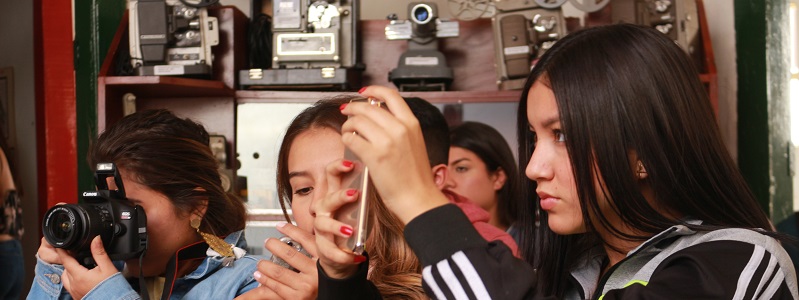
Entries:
{"x":351,"y":192}
{"x":342,"y":106}
{"x":346,"y":230}
{"x":360,"y":258}
{"x":346,"y":163}
{"x":361,"y":90}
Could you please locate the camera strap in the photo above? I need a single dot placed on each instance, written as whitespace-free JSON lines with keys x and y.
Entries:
{"x":187,"y":253}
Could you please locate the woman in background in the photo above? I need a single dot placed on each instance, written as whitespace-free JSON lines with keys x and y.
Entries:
{"x":11,"y":231}
{"x":482,"y":169}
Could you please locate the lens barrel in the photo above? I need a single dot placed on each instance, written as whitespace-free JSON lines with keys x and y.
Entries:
{"x":73,"y":226}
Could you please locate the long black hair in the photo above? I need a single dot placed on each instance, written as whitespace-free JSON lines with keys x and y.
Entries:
{"x":489,"y":145}
{"x":624,"y":89}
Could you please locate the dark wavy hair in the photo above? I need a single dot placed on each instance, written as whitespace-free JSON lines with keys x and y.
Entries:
{"x":171,"y":156}
{"x":623,"y":88}
{"x":489,"y":145}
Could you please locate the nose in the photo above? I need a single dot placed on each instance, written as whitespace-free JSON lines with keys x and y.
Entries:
{"x":450,"y":182}
{"x":539,"y":168}
{"x":319,"y":193}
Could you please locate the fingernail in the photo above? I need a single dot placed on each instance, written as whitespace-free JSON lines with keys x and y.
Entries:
{"x":280,"y":224}
{"x":346,"y":163}
{"x":351,"y":192}
{"x":360,"y":258}
{"x":266,"y":240}
{"x":361,"y":90}
{"x":343,"y":106}
{"x":257,"y":275}
{"x":346,"y":230}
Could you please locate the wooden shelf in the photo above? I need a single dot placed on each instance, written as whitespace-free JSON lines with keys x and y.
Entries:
{"x":168,"y":87}
{"x":434,"y":97}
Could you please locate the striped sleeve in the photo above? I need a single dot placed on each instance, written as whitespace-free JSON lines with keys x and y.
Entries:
{"x":459,"y":264}
{"x":717,"y":270}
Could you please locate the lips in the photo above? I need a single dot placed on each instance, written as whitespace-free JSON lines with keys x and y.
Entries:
{"x":547,"y":201}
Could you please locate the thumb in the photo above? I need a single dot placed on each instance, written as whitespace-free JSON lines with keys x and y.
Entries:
{"x":100,"y":256}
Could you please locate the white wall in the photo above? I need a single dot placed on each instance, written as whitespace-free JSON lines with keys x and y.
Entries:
{"x":721,"y":24}
{"x":16,"y":50}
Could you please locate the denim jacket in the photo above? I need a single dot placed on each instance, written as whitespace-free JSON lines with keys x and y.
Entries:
{"x":209,"y":281}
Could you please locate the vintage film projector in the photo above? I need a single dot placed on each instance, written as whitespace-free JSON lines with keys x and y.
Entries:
{"x":171,"y":37}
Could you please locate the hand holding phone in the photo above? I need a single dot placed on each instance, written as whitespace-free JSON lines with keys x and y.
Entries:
{"x":355,"y":214}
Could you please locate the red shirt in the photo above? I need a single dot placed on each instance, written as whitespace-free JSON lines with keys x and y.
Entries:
{"x":479,"y":218}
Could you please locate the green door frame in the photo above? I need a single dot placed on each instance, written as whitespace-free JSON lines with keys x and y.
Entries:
{"x":763,"y":102}
{"x":96,"y":22}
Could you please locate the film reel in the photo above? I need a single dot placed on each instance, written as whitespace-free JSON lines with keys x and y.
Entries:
{"x":550,"y":4}
{"x":468,"y":10}
{"x":589,"y":6}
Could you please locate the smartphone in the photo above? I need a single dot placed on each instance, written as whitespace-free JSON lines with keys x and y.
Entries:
{"x":355,"y":214}
{"x":280,"y":262}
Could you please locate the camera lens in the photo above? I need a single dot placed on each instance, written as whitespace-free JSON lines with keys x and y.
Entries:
{"x":72,"y":227}
{"x":422,"y":13}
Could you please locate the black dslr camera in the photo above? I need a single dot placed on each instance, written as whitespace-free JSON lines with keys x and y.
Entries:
{"x":107,"y":213}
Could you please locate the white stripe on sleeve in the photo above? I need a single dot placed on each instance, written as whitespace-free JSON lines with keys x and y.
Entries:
{"x":427,"y":275}
{"x":452,"y":282}
{"x":478,"y":288}
{"x":748,"y":271}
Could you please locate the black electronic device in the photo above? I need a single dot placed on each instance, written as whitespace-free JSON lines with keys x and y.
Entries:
{"x":171,"y":37}
{"x":523,"y":31}
{"x":677,"y":19}
{"x":104,"y":212}
{"x":422,"y":67}
{"x":314,"y":45}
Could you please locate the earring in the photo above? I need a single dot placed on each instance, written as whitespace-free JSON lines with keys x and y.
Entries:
{"x":218,"y":245}
{"x":640,"y":170}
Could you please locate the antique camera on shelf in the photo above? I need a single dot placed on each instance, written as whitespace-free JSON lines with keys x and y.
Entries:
{"x":219,"y":148}
{"x":171,"y":37}
{"x":104,"y":212}
{"x":677,"y":19}
{"x":314,"y":44}
{"x":422,"y":67}
{"x":523,"y":31}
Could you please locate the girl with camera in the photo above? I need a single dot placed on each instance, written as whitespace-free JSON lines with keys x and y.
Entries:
{"x":194,"y":228}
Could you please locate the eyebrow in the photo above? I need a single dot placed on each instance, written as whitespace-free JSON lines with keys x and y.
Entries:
{"x":458,"y":160}
{"x":548,"y":122}
{"x":297,"y":174}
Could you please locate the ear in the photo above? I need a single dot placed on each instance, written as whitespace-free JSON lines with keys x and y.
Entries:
{"x":499,"y":178}
{"x":199,"y":211}
{"x":440,"y":175}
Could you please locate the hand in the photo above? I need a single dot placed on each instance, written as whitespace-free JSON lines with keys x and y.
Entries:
{"x":277,"y":282}
{"x":391,"y":144}
{"x":77,"y":279}
{"x":47,"y":253}
{"x":336,"y":262}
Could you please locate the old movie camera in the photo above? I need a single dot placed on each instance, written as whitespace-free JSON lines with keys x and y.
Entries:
{"x":121,"y":224}
{"x":678,"y":19}
{"x":523,"y":31}
{"x":422,"y":67}
{"x":314,"y":44}
{"x":171,"y":37}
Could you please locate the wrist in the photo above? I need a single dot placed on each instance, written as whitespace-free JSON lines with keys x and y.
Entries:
{"x":410,"y":206}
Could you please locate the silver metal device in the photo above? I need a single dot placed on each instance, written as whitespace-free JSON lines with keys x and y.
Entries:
{"x":523,"y":31}
{"x":314,"y":43}
{"x":169,"y":37}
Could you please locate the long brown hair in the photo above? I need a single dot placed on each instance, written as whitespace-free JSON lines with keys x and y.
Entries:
{"x":171,"y":156}
{"x":394,"y":268}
